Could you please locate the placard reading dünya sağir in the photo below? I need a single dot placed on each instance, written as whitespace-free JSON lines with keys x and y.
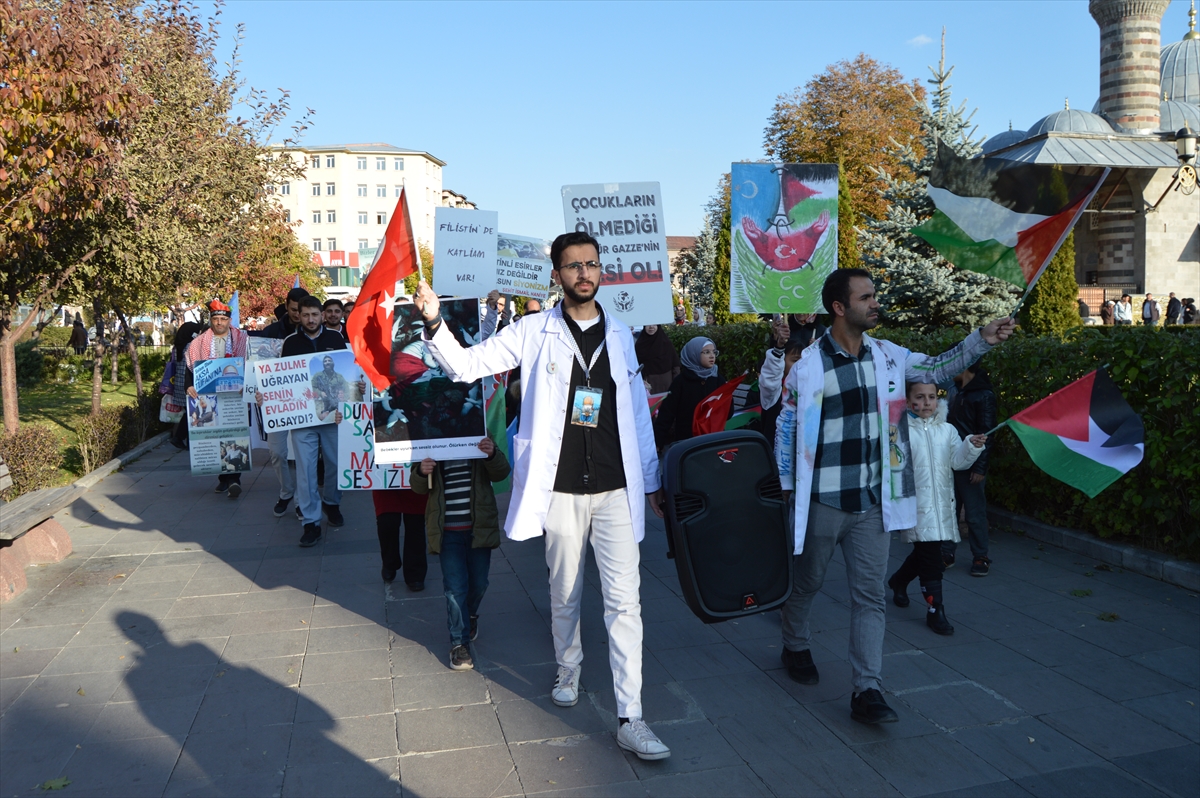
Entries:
{"x":627,"y":220}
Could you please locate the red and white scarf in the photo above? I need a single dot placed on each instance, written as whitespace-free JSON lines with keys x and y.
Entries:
{"x":203,"y":346}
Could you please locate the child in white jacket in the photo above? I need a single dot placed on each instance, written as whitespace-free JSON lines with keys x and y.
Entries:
{"x":936,"y":451}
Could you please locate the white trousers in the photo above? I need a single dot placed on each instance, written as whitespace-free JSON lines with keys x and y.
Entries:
{"x":604,"y":518}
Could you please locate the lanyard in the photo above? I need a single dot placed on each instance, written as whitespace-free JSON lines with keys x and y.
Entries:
{"x":587,"y":367}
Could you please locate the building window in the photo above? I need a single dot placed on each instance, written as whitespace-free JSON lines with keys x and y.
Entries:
{"x":380,"y":191}
{"x":285,"y":188}
{"x":380,"y":217}
{"x":363,"y":243}
{"x":315,"y":162}
{"x":316,"y":217}
{"x":381,"y":164}
{"x":398,"y":164}
{"x":328,"y":161}
{"x":332,"y":242}
{"x":316,"y":245}
{"x":362,"y":217}
{"x":362,"y":189}
{"x":362,"y":162}
{"x":331,"y":217}
{"x":316,"y":189}
{"x":330,"y":189}
{"x":397,"y":189}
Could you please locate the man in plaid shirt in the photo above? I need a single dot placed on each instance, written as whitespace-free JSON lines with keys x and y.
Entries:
{"x":842,"y":449}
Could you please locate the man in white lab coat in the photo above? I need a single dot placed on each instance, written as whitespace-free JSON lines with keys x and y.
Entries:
{"x":576,"y":475}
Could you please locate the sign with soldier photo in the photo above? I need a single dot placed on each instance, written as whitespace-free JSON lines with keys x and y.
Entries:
{"x":424,"y":413}
{"x":306,"y":390}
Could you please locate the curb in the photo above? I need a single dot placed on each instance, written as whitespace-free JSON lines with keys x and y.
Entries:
{"x":88,"y":480}
{"x":1131,"y":558}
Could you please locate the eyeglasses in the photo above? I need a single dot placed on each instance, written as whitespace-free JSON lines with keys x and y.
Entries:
{"x":579,"y":266}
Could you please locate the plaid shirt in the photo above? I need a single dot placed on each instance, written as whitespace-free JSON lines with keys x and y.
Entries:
{"x":847,"y":473}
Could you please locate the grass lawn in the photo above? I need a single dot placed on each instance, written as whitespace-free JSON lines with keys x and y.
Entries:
{"x":60,"y":407}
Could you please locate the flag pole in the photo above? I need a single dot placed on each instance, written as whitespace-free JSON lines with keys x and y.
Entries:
{"x":1066,"y":232}
{"x":997,"y":427}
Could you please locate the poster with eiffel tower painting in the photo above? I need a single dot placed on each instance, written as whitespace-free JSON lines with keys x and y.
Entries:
{"x":784,"y":236}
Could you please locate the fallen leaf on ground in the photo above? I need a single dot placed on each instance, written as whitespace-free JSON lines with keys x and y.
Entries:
{"x":220,"y":674}
{"x":561,"y":758}
{"x":291,"y":670}
{"x":1109,"y":616}
{"x":16,"y":649}
{"x":1031,"y":740}
{"x":1078,"y":593}
{"x":80,"y":691}
{"x":55,"y":784}
{"x":121,"y":657}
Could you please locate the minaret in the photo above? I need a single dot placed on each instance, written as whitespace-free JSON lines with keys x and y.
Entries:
{"x":1130,"y":43}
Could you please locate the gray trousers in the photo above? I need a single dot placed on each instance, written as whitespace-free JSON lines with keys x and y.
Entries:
{"x":865,"y":547}
{"x":278,"y":443}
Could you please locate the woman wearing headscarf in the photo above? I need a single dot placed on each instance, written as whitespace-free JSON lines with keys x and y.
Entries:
{"x":696,"y":380}
{"x":183,"y":336}
{"x":657,"y":355}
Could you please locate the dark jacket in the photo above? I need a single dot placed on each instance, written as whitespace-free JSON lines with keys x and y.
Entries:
{"x":1174,"y":308}
{"x":973,"y":412}
{"x":485,"y":517}
{"x":298,"y":343}
{"x":280,"y":328}
{"x":674,"y":420}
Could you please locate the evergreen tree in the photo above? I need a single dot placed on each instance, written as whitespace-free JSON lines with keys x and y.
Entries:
{"x":720,"y":216}
{"x":697,"y":266}
{"x":1052,"y":307}
{"x":917,"y":287}
{"x":847,"y":223}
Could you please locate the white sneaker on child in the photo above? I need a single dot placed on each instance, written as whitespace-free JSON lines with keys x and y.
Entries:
{"x":566,"y":687}
{"x":636,"y":737}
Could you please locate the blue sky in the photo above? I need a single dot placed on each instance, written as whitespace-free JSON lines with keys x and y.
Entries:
{"x":522,"y":98}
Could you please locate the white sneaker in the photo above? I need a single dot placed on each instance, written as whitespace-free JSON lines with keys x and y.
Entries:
{"x":566,"y":687}
{"x":636,"y":737}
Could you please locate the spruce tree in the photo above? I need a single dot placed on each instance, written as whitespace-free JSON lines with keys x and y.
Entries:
{"x":917,"y":287}
{"x":847,"y":223}
{"x":1052,"y":307}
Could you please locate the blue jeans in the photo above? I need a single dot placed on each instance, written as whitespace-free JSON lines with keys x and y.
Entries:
{"x":465,"y":579}
{"x":305,"y":441}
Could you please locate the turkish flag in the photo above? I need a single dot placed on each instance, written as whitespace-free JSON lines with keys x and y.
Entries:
{"x":713,"y":411}
{"x":369,"y":327}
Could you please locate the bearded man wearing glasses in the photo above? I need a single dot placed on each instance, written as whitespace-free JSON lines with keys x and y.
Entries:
{"x":584,"y":459}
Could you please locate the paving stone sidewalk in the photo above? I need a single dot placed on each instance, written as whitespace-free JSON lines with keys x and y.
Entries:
{"x":189,"y":647}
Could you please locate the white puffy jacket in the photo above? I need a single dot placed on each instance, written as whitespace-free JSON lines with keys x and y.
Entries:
{"x":936,"y":451}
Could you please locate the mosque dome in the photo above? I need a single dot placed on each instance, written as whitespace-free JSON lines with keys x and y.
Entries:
{"x":1180,"y":65}
{"x":1006,"y":139}
{"x":1173,"y":115}
{"x":1070,"y":121}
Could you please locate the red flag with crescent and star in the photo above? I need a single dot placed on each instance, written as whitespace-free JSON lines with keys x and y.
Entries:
{"x":369,"y":326}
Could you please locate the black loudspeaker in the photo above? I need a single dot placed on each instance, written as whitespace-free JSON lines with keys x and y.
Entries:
{"x":727,"y":525}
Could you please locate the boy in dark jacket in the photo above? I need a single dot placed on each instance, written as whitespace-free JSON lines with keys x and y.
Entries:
{"x":973,"y":412}
{"x":462,"y":524}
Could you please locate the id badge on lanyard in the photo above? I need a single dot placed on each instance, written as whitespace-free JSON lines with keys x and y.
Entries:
{"x":585,"y":405}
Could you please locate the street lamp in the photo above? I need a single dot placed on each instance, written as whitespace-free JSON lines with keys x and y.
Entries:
{"x":1184,"y":178}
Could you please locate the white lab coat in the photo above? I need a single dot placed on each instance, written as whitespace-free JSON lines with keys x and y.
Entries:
{"x":539,"y":346}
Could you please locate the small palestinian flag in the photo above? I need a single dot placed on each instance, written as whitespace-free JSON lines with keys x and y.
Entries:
{"x":1004,"y":218}
{"x":1085,"y":434}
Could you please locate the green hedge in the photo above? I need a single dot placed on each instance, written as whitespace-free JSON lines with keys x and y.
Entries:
{"x":1157,"y":505}
{"x":741,"y":345}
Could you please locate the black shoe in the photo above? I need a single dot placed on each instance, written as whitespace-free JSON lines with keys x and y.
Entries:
{"x":312,"y":534}
{"x":899,"y":594}
{"x":415,"y":587}
{"x":388,"y":574}
{"x":299,"y":515}
{"x":936,"y":620}
{"x":800,"y":666}
{"x":221,"y":488}
{"x":334,"y":514}
{"x":947,"y":561}
{"x":178,"y":444}
{"x":980,"y":566}
{"x":281,"y":507}
{"x":235,"y":490}
{"x":869,"y":707}
{"x":460,"y":659}
{"x":474,"y":627}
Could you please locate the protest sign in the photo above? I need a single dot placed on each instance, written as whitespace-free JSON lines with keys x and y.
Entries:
{"x":218,"y":431}
{"x":258,"y":349}
{"x":357,"y":469}
{"x":784,"y":238}
{"x":306,"y":390}
{"x":627,"y":220}
{"x":220,"y":375}
{"x":423,"y":413}
{"x":523,"y":266}
{"x":464,"y":249}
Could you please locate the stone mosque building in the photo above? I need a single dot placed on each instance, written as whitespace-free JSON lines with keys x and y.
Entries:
{"x":1142,"y":232}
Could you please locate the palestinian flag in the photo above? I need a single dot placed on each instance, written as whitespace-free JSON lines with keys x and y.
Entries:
{"x":1085,"y":434}
{"x":1004,"y":218}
